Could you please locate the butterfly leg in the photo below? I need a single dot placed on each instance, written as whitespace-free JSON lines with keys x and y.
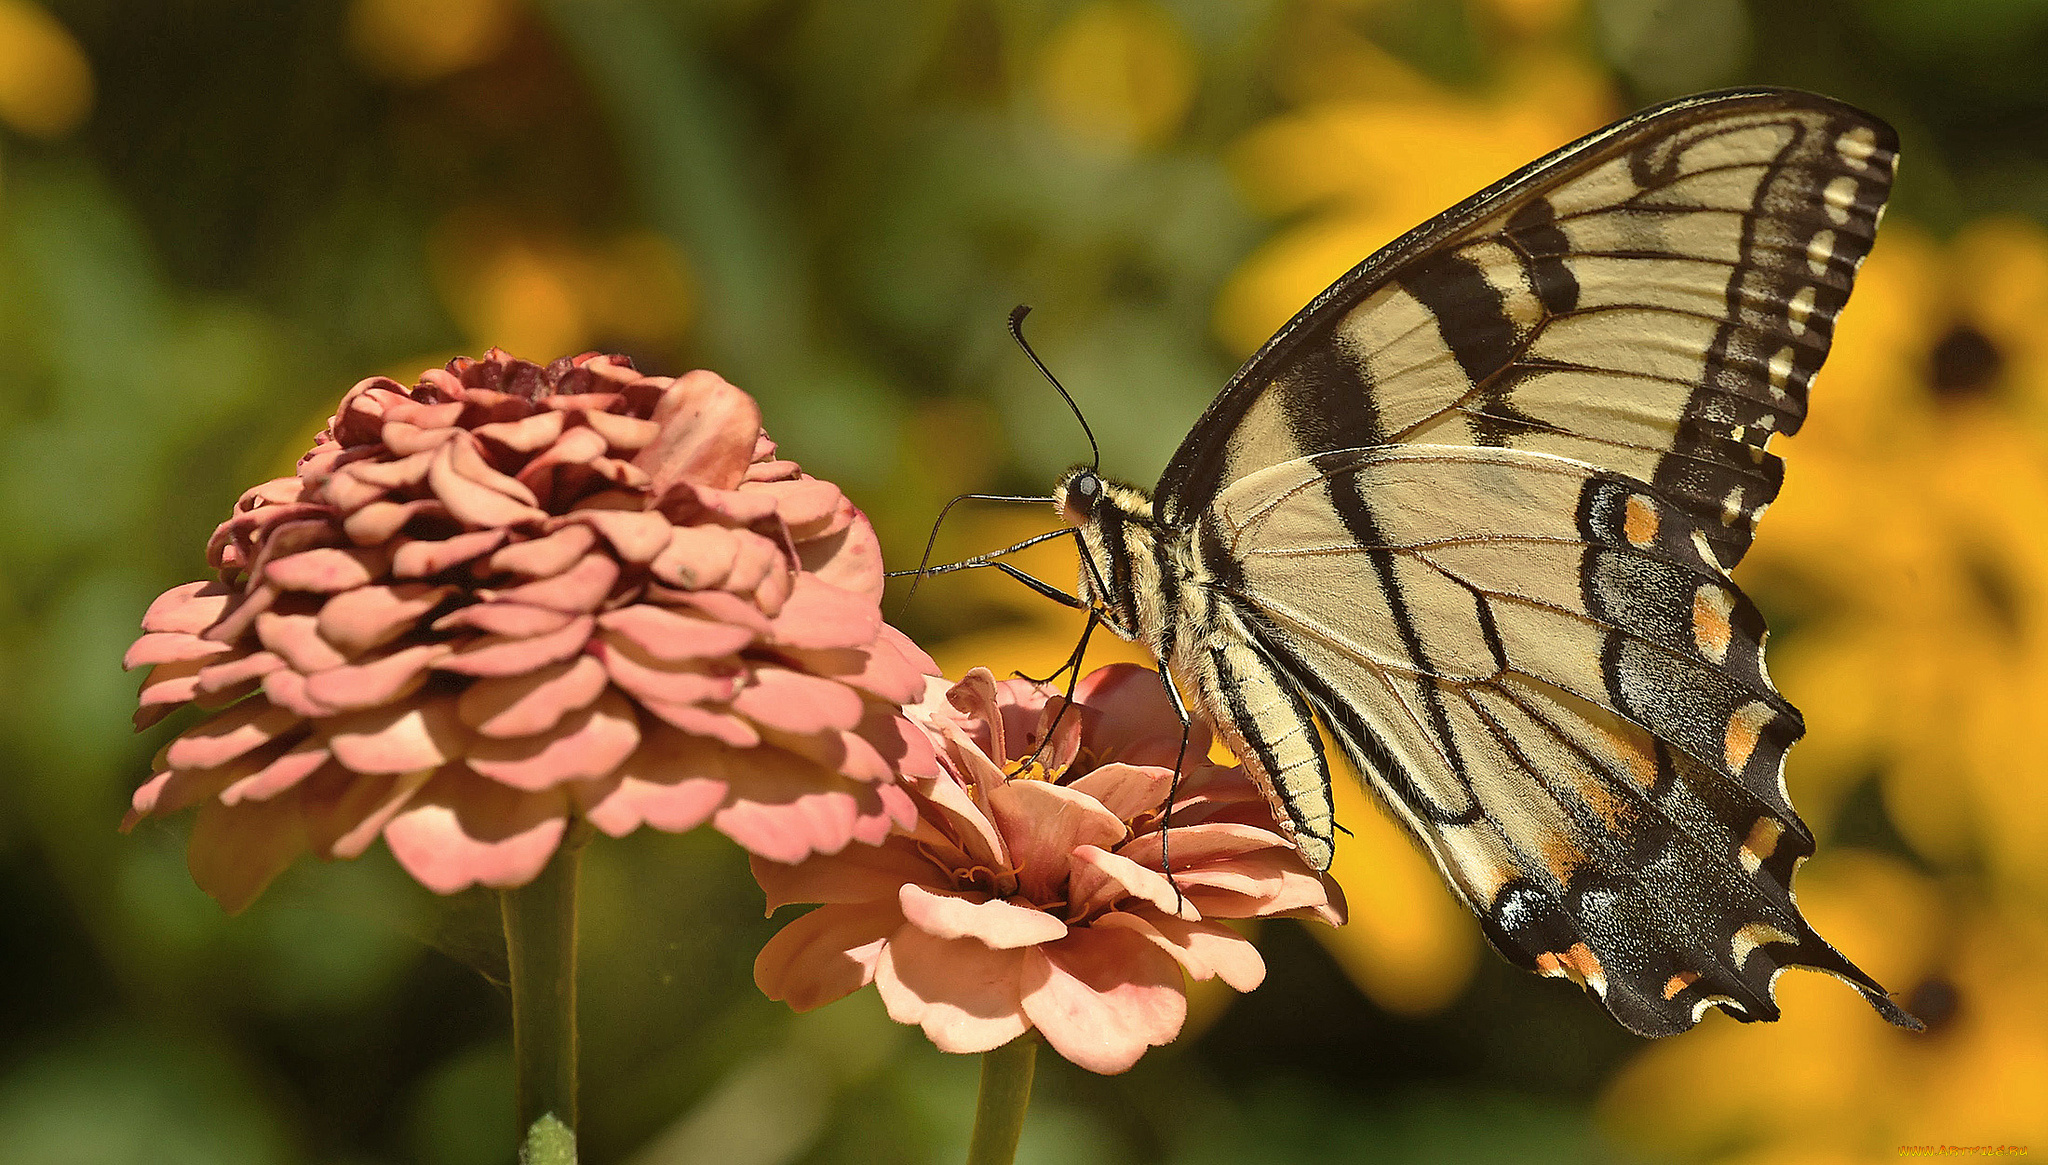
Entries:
{"x":1180,"y":709}
{"x":1073,"y":680}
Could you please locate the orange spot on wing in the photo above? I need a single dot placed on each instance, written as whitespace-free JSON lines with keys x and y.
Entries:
{"x":1639,"y":520}
{"x":1679,"y":982}
{"x":1745,"y":728}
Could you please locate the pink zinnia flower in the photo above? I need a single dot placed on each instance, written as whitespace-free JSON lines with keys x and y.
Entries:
{"x":1033,"y":896}
{"x":514,"y":595}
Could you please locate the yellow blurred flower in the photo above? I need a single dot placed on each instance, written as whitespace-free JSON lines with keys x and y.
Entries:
{"x":1118,"y":74}
{"x":1908,"y":543}
{"x":1359,"y":170}
{"x":540,"y":289}
{"x":415,"y":41}
{"x":1827,"y":1084}
{"x":45,"y":80}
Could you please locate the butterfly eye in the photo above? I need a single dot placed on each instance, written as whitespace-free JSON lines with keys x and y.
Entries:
{"x":1083,"y":490}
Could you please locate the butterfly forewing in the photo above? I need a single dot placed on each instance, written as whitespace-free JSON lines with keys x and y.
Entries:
{"x":1474,"y":508}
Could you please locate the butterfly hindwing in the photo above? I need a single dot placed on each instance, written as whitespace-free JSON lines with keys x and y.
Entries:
{"x":1559,"y":691}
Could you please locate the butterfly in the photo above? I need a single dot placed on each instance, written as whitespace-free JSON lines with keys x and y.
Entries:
{"x":1473,"y":510}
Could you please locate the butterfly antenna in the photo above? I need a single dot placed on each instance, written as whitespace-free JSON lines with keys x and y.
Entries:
{"x":924,"y":563}
{"x":1017,"y":315}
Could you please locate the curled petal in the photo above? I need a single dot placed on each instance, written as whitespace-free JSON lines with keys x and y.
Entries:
{"x":966,"y":996}
{"x":420,"y":559}
{"x":1101,"y":879}
{"x":637,"y":537}
{"x":297,"y":639}
{"x":548,"y":555}
{"x":459,"y":481}
{"x":171,"y":647}
{"x":1102,"y":996}
{"x":706,"y":434}
{"x":999,"y":923}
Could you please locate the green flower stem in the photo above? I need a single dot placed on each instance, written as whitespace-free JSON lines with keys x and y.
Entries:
{"x":1005,"y":1094}
{"x":540,"y":947}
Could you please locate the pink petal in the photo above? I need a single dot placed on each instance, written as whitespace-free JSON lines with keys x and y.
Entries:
{"x":504,"y":655}
{"x":283,"y":773}
{"x":461,"y":830}
{"x":379,"y":522}
{"x":803,"y":502}
{"x":1203,"y":949}
{"x":1044,"y":824}
{"x":1198,"y":845}
{"x":325,"y":570}
{"x":420,"y":559}
{"x":858,"y":873}
{"x":792,"y":701}
{"x":527,"y":434}
{"x":699,"y":721}
{"x":375,"y":681}
{"x":297,"y":639}
{"x":850,"y":560}
{"x":820,"y":615}
{"x":171,"y":647}
{"x":1102,"y":879}
{"x":1129,"y":792}
{"x":515,"y":620}
{"x":636,"y":537}
{"x":236,"y":850}
{"x":399,"y":740}
{"x":1130,"y":718}
{"x":346,"y":813}
{"x":581,"y":588}
{"x":477,"y":495}
{"x":725,"y":608}
{"x":999,"y":923}
{"x":587,"y":744}
{"x":683,"y":682}
{"x":545,"y":556}
{"x":966,"y":997}
{"x":706,"y":436}
{"x":371,"y":616}
{"x":668,"y":635}
{"x":827,"y":954}
{"x":673,"y":782}
{"x":622,"y":433}
{"x":190,"y":609}
{"x":957,"y":814}
{"x":785,"y":808}
{"x":216,"y":741}
{"x":218,"y":678}
{"x":530,"y":702}
{"x":1102,"y":996}
{"x":697,"y":557}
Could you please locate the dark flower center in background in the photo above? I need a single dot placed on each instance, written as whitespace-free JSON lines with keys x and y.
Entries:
{"x":1965,"y":363}
{"x":1935,"y":1000}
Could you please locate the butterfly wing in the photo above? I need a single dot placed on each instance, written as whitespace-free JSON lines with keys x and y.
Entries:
{"x":1653,"y":299}
{"x":1474,"y":508}
{"x":1550,"y":679}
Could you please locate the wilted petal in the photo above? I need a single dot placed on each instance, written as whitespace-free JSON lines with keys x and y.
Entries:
{"x":345,"y":814}
{"x":236,"y":850}
{"x":462,"y":830}
{"x":825,"y":955}
{"x":1101,"y":997}
{"x":966,"y":997}
{"x":997,"y":922}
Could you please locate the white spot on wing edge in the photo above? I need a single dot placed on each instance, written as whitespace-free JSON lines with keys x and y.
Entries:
{"x":1798,"y":308}
{"x":1819,"y":250}
{"x":1838,"y":197}
{"x":1856,"y":146}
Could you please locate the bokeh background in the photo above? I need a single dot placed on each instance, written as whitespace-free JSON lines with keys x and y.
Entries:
{"x":215,"y":215}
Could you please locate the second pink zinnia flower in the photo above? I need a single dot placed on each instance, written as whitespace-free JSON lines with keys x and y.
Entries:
{"x":510,"y":596}
{"x":1034,"y":896}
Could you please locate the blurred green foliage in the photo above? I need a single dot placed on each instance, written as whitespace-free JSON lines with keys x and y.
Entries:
{"x":215,"y":216}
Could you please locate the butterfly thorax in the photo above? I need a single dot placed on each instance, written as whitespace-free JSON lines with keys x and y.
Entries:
{"x":1133,"y":566}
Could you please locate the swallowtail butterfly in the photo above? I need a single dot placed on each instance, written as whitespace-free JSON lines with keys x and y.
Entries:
{"x":1474,"y":509}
